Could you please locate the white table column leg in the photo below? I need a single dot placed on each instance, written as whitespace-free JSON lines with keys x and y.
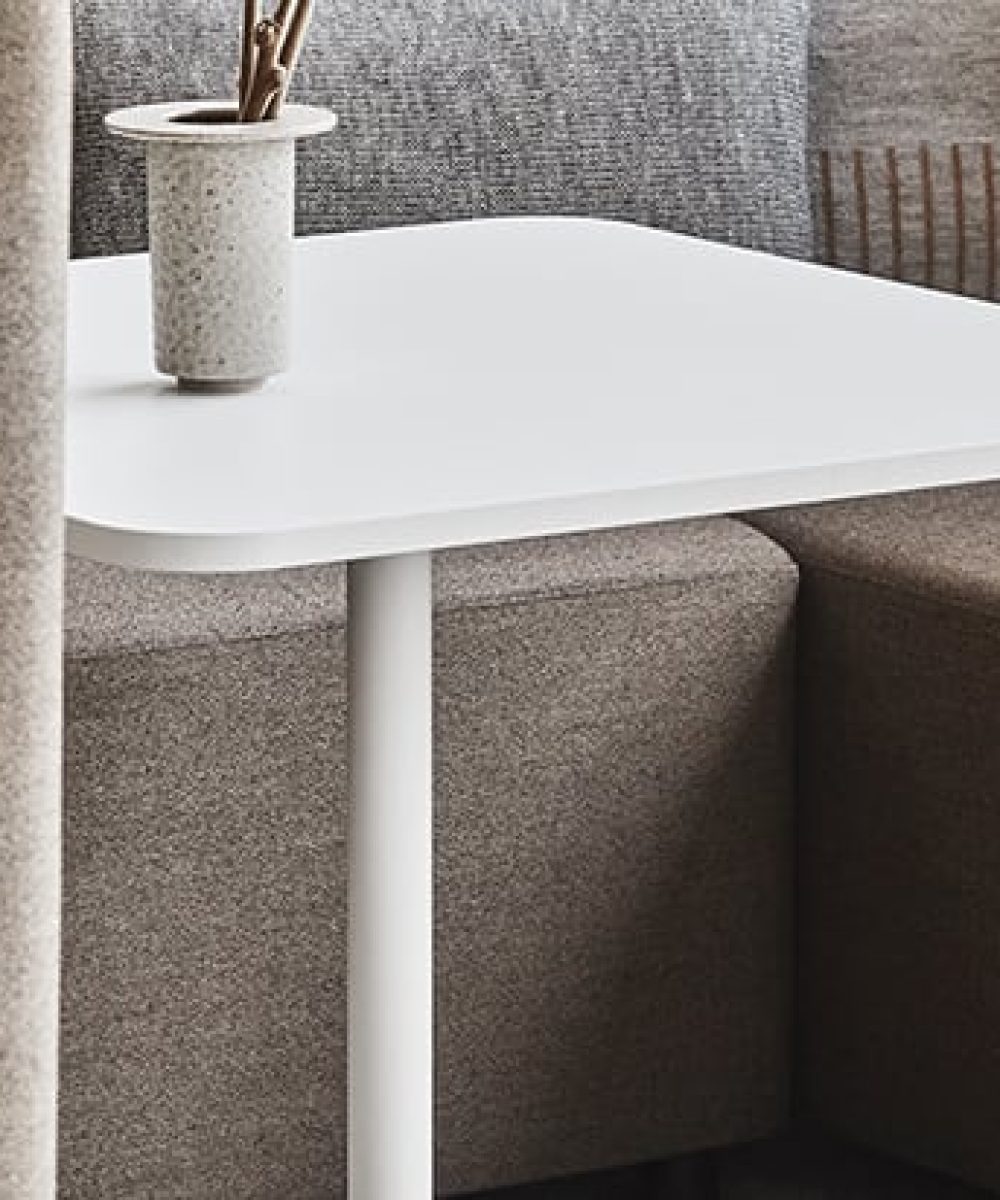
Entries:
{"x":390,"y":1012}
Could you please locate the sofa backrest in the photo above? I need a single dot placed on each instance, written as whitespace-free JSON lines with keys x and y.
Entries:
{"x":904,"y":106}
{"x":666,"y":112}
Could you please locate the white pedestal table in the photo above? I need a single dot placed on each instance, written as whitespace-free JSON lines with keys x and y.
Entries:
{"x":489,"y":381}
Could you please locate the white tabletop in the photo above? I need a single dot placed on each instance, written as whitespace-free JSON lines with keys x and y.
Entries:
{"x":496,"y":380}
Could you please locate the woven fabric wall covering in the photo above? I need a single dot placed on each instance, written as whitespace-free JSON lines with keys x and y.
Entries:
{"x":921,"y":213}
{"x":34,"y":183}
{"x":686,"y":116}
{"x":904,"y":107}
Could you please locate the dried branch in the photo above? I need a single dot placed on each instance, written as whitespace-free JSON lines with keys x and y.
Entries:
{"x":291,"y":47}
{"x":270,"y":43}
{"x":267,"y":45}
{"x":267,"y":85}
{"x":248,"y":60}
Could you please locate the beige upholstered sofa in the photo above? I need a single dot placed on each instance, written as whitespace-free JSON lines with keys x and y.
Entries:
{"x":613,"y":712}
{"x":898,"y":691}
{"x":613,"y":786}
{"x":618,"y":821}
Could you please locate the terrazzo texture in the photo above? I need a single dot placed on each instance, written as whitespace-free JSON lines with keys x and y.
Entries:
{"x":221,"y":219}
{"x":34,"y":184}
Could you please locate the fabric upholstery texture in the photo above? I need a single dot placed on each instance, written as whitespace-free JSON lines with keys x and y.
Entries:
{"x":613,"y":812}
{"x":34,"y":183}
{"x":899,"y":822}
{"x":686,"y":116}
{"x":903,"y":105}
{"x":924,"y":213}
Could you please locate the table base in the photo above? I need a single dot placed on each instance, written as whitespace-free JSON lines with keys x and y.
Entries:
{"x":390,"y":1007}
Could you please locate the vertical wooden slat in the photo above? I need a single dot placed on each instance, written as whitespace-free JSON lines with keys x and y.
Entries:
{"x":959,"y":188}
{"x":989,"y":190}
{"x":826,"y":202}
{"x":895,"y":211}
{"x":927,"y":196}
{"x":861,"y":195}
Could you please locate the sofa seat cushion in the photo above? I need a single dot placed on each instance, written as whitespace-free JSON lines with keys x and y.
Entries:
{"x":941,"y":544}
{"x":612,"y":787}
{"x":899,"y":821}
{"x":686,"y":116}
{"x":114,"y":611}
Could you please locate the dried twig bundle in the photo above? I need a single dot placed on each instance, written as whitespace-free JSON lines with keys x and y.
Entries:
{"x":271,"y":49}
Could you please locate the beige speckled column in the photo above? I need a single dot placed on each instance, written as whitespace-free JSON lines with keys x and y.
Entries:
{"x":34,"y":183}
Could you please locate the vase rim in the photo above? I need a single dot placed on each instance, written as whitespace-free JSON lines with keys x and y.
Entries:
{"x":177,"y":121}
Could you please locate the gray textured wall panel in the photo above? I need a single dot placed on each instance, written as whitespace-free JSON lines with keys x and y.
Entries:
{"x":686,"y":116}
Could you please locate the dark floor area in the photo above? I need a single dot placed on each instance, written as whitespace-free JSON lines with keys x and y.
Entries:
{"x":635,"y":1184}
{"x":805,"y":1167}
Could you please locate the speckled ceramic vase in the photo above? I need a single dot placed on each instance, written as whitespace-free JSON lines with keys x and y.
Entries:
{"x":221,"y":224}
